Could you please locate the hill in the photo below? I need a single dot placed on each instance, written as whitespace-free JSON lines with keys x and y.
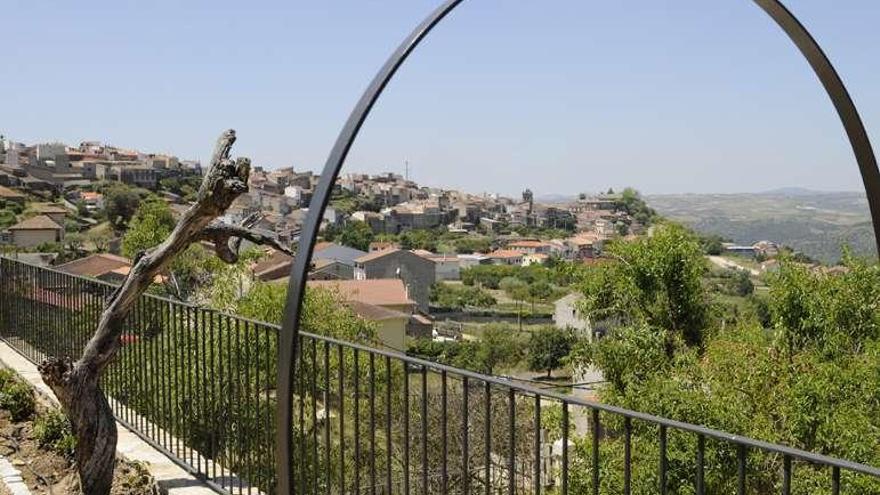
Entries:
{"x":814,"y":222}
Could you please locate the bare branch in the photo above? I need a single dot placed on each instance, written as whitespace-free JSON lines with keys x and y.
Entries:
{"x":248,"y":222}
{"x":77,"y":384}
{"x":220,"y":233}
{"x":224,"y":181}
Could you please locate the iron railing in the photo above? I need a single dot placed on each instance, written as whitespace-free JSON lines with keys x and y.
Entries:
{"x":200,"y":386}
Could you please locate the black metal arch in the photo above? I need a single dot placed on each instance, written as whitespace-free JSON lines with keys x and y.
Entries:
{"x":289,"y":341}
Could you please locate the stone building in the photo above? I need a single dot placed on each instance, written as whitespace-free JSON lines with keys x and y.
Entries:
{"x":417,"y":273}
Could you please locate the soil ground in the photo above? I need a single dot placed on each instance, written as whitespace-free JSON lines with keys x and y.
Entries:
{"x":47,"y":472}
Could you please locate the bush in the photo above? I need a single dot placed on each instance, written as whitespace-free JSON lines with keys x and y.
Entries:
{"x":53,"y":432}
{"x":15,"y":396}
{"x":458,"y":297}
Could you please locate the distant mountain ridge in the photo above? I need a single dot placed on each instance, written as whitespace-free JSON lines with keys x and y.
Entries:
{"x":818,"y":223}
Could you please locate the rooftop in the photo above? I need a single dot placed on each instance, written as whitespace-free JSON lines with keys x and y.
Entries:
{"x":6,"y":192}
{"x":95,"y":265}
{"x":49,"y":208}
{"x":376,"y":255}
{"x":39,"y":222}
{"x":504,"y":254}
{"x":378,"y":292}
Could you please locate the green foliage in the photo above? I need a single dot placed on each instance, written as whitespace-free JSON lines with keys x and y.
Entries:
{"x":120,"y":204}
{"x":346,"y":202}
{"x":99,"y":237}
{"x":226,"y":393}
{"x":187,"y":187}
{"x":712,"y":244}
{"x":548,"y":347}
{"x":514,"y":288}
{"x":832,"y":312}
{"x":499,"y":347}
{"x":811,"y":382}
{"x":730,"y":282}
{"x":419,"y":239}
{"x":460,"y":296}
{"x":354,"y":233}
{"x":52,"y":430}
{"x":632,"y":203}
{"x":655,"y":281}
{"x":15,"y":396}
{"x":150,"y":225}
{"x":81,"y":209}
{"x":558,"y":273}
{"x":473,"y":244}
{"x":7,"y":218}
{"x":322,"y":312}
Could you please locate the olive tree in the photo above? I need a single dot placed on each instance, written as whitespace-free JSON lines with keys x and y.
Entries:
{"x":76,"y":384}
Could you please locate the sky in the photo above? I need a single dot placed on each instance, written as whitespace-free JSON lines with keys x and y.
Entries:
{"x":561,"y":96}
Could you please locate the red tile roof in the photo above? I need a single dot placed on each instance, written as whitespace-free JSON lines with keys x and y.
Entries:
{"x":505,"y":254}
{"x":378,"y":292}
{"x":95,"y":265}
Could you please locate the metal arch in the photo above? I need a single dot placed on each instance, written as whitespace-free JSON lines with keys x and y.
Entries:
{"x":288,"y":340}
{"x":288,"y":345}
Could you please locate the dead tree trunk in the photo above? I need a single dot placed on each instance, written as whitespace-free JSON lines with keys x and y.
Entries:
{"x":76,"y":383}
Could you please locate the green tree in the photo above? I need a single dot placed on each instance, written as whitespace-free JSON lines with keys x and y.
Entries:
{"x":473,"y":244}
{"x":654,"y":280}
{"x":498,"y":347}
{"x":810,"y":382}
{"x":355,"y":234}
{"x":418,"y":239}
{"x":457,"y":297}
{"x":120,"y":204}
{"x":633,"y":204}
{"x":548,"y":347}
{"x":712,"y":244}
{"x":99,"y":237}
{"x":150,"y":225}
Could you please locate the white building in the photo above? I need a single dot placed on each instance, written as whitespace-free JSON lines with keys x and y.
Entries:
{"x":567,"y":315}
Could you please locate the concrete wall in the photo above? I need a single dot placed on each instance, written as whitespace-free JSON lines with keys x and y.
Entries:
{"x":566,"y":315}
{"x":32,"y":238}
{"x":416,"y":272}
{"x":392,"y":332}
{"x":447,"y":269}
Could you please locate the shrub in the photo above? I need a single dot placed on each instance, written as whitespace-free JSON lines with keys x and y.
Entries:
{"x":53,"y":432}
{"x":15,"y":396}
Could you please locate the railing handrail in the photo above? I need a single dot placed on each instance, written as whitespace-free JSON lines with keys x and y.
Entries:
{"x":627,"y":413}
{"x":525,"y":388}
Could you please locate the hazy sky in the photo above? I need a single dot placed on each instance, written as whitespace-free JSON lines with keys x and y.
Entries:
{"x":558,"y":95}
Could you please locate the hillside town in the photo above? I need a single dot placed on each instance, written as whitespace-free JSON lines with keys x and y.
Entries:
{"x":419,"y":261}
{"x":513,"y":274}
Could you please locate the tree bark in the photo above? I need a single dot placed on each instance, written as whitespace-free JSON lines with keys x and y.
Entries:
{"x":76,"y":384}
